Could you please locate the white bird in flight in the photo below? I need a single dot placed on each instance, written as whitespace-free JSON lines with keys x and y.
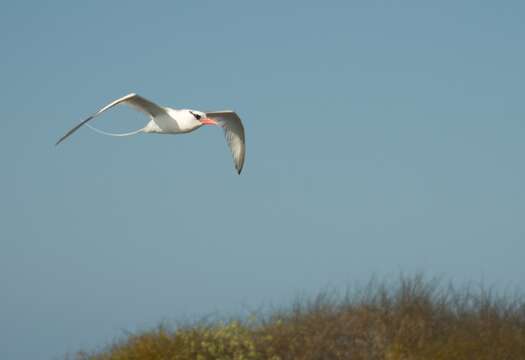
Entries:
{"x":165,"y":120}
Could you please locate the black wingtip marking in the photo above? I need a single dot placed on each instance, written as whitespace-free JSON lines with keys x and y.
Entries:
{"x":70,"y":132}
{"x":60,"y":140}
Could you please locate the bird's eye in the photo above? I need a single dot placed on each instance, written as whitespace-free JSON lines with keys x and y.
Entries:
{"x":197,"y":116}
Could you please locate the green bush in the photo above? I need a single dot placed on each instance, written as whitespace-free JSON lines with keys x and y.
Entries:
{"x":413,"y":319}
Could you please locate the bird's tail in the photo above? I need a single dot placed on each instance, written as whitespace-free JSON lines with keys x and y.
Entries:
{"x":113,"y":134}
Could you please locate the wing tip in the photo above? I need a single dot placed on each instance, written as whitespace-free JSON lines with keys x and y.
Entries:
{"x":61,"y":139}
{"x":239,"y":167}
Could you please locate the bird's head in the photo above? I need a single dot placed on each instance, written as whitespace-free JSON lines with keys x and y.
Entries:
{"x":201,"y":117}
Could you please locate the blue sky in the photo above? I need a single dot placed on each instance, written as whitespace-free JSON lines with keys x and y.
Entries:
{"x":381,"y":137}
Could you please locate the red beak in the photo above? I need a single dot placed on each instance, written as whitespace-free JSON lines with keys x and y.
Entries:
{"x":208,"y":121}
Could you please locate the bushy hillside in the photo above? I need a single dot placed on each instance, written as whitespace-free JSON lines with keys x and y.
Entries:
{"x":412,"y":319}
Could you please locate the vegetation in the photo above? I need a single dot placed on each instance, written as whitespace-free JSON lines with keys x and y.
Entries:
{"x":412,"y":319}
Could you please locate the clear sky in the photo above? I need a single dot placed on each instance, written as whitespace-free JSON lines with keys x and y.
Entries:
{"x":382,"y":136}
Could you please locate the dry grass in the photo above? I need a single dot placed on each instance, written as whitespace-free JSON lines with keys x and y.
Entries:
{"x":413,"y":319}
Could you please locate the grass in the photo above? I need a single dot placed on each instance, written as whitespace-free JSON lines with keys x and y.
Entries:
{"x":414,"y":319}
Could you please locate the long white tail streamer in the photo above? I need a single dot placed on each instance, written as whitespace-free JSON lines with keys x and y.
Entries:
{"x":113,"y":134}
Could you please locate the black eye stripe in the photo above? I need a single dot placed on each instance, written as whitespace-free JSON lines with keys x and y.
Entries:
{"x":198,"y":117}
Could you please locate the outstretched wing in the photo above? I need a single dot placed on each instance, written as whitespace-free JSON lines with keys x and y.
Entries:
{"x":234,"y":132}
{"x":136,"y":101}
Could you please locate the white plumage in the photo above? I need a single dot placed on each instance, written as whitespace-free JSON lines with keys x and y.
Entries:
{"x":165,"y":120}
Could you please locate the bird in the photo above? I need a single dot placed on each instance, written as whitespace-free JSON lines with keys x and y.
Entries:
{"x":166,"y":120}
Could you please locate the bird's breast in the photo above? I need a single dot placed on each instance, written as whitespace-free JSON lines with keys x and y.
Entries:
{"x":172,"y":122}
{"x":163,"y":124}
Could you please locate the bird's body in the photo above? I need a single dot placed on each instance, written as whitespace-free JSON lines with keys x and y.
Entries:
{"x":165,"y":120}
{"x":173,"y":122}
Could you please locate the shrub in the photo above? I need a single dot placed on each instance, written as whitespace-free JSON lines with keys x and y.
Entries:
{"x":413,"y":319}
